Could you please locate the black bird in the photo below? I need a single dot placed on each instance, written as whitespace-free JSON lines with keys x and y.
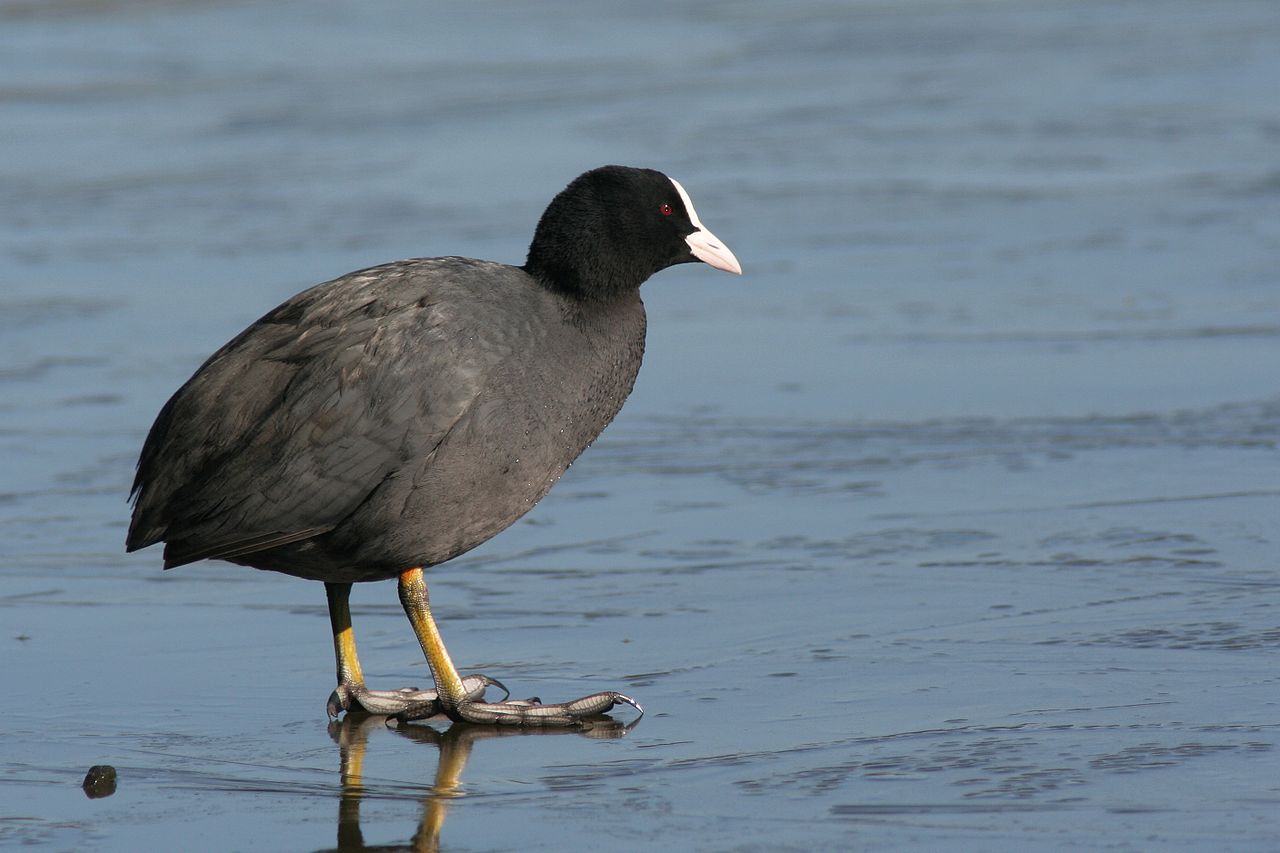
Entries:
{"x":396,"y":417}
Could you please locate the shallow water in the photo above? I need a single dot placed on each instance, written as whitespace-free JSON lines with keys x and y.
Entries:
{"x":951,"y":524}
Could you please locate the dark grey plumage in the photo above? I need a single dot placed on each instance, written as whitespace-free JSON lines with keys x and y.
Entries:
{"x":384,"y":420}
{"x":400,"y":415}
{"x":395,"y":417}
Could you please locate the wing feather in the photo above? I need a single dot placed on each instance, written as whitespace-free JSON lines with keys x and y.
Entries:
{"x":288,"y":428}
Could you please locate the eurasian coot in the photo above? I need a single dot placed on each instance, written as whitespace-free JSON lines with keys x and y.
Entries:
{"x":396,"y":417}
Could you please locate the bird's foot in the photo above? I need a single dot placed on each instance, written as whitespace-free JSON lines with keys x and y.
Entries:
{"x":355,"y":697}
{"x":525,"y":712}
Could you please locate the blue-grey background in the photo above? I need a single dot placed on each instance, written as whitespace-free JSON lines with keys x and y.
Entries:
{"x":951,"y":524}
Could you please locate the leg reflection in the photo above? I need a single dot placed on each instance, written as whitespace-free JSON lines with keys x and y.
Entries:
{"x":352,"y":734}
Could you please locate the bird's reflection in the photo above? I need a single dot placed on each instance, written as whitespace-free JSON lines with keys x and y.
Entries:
{"x":454,"y":743}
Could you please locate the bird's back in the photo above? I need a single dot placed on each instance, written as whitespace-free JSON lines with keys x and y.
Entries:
{"x":396,"y":416}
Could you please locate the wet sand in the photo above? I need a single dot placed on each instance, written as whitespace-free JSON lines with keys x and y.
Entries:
{"x":950,"y":525}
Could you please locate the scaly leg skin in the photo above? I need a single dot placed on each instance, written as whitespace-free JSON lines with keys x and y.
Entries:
{"x":459,"y":701}
{"x":352,"y":695}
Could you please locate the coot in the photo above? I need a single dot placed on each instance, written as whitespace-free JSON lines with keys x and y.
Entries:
{"x":396,"y":417}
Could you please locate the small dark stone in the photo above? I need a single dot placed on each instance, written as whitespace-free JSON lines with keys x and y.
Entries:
{"x":100,"y":781}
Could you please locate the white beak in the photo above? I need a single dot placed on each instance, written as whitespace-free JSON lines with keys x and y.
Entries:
{"x":706,"y":246}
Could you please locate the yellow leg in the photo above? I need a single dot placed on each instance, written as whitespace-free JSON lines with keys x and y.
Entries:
{"x":461,"y":699}
{"x":351,"y":693}
{"x":463,"y":702}
{"x":417,"y":606}
{"x":344,"y":636}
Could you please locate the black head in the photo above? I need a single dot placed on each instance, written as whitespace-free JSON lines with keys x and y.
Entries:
{"x":615,"y":226}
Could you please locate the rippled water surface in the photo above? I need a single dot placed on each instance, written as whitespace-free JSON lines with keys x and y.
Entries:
{"x":951,"y":525}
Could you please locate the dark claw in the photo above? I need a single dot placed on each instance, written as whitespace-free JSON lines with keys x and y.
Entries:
{"x":491,"y":682}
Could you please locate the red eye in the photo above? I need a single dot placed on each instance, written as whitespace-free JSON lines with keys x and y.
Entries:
{"x":665,"y":209}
